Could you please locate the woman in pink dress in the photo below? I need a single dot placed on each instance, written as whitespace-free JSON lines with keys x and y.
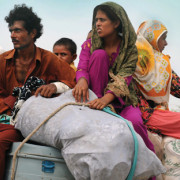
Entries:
{"x":107,"y":62}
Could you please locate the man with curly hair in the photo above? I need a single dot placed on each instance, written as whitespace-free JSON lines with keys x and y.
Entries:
{"x":24,"y":61}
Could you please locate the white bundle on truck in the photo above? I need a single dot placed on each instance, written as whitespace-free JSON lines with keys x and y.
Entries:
{"x":95,"y":145}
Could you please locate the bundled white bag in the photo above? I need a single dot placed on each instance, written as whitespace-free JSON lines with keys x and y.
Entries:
{"x":94,"y":144}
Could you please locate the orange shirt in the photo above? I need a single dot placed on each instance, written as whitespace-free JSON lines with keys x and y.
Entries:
{"x":45,"y":66}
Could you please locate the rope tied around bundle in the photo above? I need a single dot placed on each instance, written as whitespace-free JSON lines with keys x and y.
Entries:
{"x":107,"y":110}
{"x":36,"y":129}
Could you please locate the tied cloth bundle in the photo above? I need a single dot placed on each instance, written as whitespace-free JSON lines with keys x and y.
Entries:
{"x":23,"y":93}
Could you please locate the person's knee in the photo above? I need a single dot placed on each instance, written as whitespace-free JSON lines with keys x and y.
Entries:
{"x":100,"y":55}
{"x":134,"y":115}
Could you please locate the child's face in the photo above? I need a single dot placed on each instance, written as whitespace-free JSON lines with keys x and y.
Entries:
{"x":63,"y":53}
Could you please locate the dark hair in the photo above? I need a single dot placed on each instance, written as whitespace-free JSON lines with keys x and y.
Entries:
{"x":69,"y":43}
{"x":24,"y":13}
{"x":109,"y":13}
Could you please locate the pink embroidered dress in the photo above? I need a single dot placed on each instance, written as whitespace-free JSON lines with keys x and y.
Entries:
{"x":95,"y":69}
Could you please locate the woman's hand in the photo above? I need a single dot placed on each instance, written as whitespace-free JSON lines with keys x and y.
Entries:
{"x":101,"y":102}
{"x":81,"y":90}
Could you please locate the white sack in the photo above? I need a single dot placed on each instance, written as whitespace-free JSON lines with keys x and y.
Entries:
{"x":95,"y":144}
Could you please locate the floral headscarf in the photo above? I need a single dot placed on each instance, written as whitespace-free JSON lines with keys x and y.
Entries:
{"x":125,"y":63}
{"x":153,"y":71}
{"x":152,"y":30}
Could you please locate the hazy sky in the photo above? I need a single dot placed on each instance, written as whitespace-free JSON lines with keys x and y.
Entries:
{"x":73,"y":18}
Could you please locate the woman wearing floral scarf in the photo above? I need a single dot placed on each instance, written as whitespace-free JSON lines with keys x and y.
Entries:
{"x":107,"y":62}
{"x":156,"y":80}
